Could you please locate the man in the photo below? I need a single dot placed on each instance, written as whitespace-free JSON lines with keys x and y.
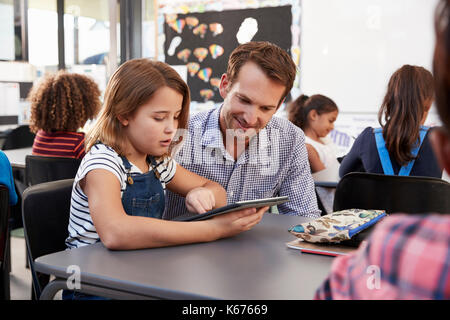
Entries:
{"x":407,"y":256}
{"x":241,"y":145}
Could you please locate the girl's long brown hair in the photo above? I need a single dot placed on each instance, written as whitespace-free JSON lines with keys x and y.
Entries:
{"x":131,"y":86}
{"x":410,"y":92}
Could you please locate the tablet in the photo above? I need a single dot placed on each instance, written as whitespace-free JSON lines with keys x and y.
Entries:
{"x":258,"y":203}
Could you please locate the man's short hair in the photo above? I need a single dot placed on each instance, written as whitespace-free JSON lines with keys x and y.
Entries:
{"x":275,"y":62}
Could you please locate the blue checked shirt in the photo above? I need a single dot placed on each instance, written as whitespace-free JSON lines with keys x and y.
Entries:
{"x":274,"y":164}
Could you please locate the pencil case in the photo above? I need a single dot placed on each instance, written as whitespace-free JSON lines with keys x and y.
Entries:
{"x":337,"y":226}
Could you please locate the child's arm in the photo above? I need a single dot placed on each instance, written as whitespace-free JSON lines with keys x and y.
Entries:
{"x":119,"y":231}
{"x":201,"y":194}
{"x":314,"y":159}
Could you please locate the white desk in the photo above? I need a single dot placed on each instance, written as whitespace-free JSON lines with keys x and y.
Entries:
{"x":17,"y":156}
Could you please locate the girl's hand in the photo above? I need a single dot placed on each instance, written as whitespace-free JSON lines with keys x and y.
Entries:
{"x":200,"y":200}
{"x":235,"y":222}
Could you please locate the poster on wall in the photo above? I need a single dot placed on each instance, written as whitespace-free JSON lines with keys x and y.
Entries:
{"x":204,"y":41}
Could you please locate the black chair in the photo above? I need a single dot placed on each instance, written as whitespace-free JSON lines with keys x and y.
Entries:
{"x":394,"y":194}
{"x":4,"y":252}
{"x":45,"y":214}
{"x":20,"y":137}
{"x":39,"y":169}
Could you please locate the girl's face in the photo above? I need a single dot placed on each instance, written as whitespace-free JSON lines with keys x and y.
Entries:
{"x":152,"y":126}
{"x":322,"y":124}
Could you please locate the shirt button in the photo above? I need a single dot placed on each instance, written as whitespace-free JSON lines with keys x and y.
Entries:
{"x":231,"y":193}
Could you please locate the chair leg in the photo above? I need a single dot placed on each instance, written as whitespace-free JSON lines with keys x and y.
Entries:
{"x":5,"y":292}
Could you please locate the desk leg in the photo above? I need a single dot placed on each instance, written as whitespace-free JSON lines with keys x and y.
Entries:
{"x":52,"y":288}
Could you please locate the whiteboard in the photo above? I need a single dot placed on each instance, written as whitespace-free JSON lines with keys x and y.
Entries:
{"x":350,"y":48}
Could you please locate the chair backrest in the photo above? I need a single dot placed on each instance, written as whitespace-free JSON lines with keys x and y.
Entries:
{"x":20,"y":137}
{"x":395,"y":194}
{"x":4,"y":216}
{"x":39,"y":169}
{"x":45,"y":215}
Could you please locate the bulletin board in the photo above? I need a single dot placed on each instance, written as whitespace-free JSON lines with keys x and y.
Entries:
{"x":204,"y":41}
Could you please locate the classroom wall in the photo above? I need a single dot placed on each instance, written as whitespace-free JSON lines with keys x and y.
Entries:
{"x":350,"y":48}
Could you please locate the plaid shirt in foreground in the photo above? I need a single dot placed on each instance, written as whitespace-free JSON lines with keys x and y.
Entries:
{"x":406,"y":257}
{"x":275,"y":164}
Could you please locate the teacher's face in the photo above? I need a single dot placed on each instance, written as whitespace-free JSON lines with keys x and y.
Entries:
{"x":249,"y":102}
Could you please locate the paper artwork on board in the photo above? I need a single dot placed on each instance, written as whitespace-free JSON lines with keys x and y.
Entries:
{"x":204,"y":74}
{"x":247,"y":30}
{"x":215,"y":28}
{"x":191,"y":22}
{"x":184,"y":55}
{"x":201,"y":30}
{"x":193,"y":67}
{"x":215,"y":50}
{"x":173,"y":45}
{"x":207,"y":94}
{"x":201,"y":53}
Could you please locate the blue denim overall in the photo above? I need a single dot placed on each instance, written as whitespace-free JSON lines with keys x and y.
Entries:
{"x":144,"y":194}
{"x":384,"y":154}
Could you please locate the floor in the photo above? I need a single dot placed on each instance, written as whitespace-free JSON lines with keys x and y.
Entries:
{"x":20,"y":276}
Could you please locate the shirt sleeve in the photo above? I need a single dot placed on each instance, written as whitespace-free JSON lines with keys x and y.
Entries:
{"x":352,"y":161}
{"x":299,"y":185}
{"x":101,"y":157}
{"x":167,"y":170}
{"x":7,"y":179}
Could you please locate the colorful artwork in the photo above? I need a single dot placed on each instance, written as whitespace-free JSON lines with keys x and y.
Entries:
{"x":171,"y":18}
{"x":207,"y":94}
{"x":184,"y":55}
{"x":215,"y":82}
{"x":177,"y":25}
{"x":201,"y":30}
{"x":201,"y":53}
{"x":191,"y":22}
{"x":215,"y":50}
{"x":215,"y":28}
{"x":204,"y":74}
{"x":193,"y":67}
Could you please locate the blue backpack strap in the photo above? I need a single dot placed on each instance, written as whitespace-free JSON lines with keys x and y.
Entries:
{"x":382,"y":152}
{"x":406,"y":169}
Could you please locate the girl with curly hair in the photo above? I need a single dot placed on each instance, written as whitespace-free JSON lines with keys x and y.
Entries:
{"x":61,"y":104}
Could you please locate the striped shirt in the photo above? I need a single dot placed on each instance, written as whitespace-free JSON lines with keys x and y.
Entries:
{"x":275,"y":164}
{"x":59,"y":144}
{"x":81,"y":228}
{"x":406,"y":257}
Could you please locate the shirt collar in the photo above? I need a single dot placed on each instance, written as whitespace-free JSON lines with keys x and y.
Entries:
{"x":213,"y":135}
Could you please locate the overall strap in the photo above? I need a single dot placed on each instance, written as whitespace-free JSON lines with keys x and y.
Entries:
{"x":406,"y":169}
{"x":382,"y":152}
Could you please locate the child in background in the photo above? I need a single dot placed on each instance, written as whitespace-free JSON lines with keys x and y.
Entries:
{"x":402,"y":145}
{"x":6,"y":178}
{"x":60,"y":105}
{"x":316,"y":115}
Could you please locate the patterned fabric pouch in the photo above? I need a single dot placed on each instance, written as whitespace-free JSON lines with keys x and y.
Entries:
{"x":337,"y":226}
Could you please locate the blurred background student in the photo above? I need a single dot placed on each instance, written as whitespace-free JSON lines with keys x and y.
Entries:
{"x":6,"y":178}
{"x":407,"y":256}
{"x":316,"y":115}
{"x":402,"y":145}
{"x":60,"y":105}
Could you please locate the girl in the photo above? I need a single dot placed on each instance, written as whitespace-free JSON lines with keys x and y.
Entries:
{"x":316,"y":115}
{"x":118,"y":194}
{"x":401,"y":146}
{"x":60,"y":105}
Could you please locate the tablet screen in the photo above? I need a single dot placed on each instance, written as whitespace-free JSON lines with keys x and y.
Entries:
{"x":257,"y":203}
